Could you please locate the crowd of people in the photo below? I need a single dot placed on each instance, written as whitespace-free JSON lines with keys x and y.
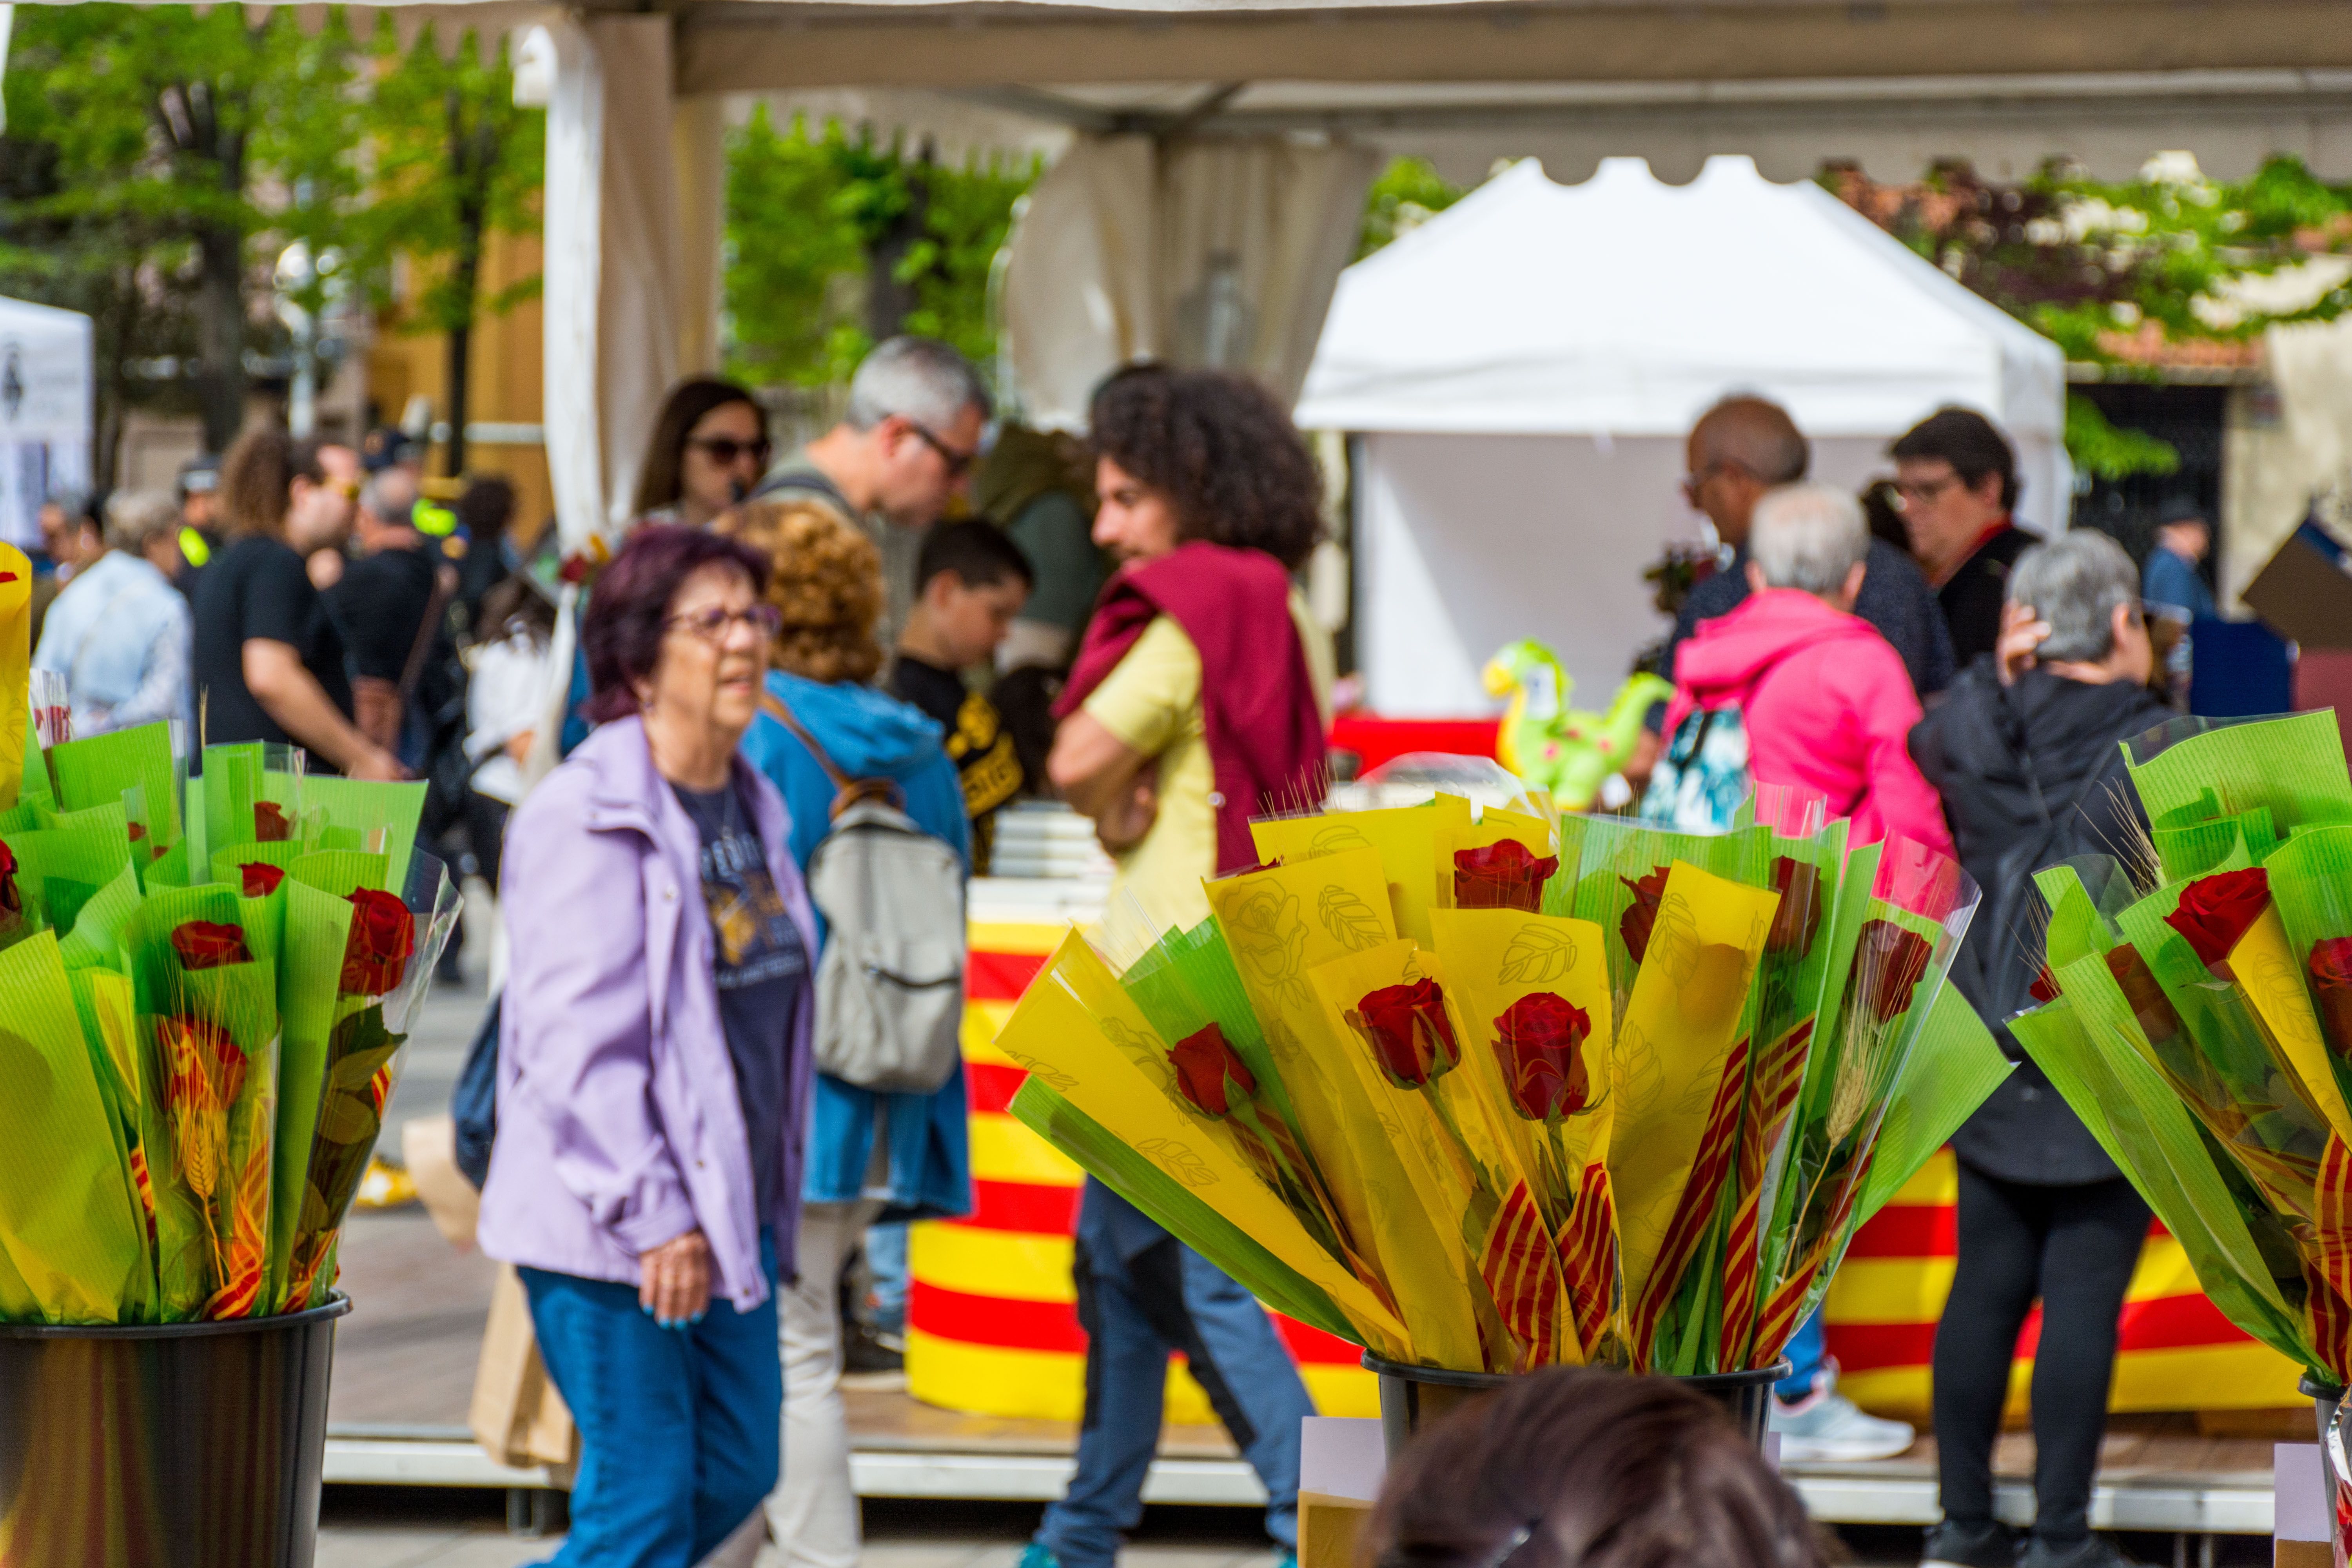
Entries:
{"x":687,"y":1170}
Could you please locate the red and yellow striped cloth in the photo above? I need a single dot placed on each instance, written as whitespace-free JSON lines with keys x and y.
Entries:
{"x":992,"y":1324}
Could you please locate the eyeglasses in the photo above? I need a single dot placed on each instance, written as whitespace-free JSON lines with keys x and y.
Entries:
{"x":1694,"y":483}
{"x":958,"y":463}
{"x":713,"y":624}
{"x":1908,"y":496}
{"x":726,"y":451}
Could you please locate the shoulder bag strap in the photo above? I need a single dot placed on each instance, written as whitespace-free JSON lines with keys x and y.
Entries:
{"x":445,"y":588}
{"x":847,"y":791}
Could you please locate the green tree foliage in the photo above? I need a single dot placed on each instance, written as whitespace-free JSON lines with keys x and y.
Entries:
{"x":836,"y":240}
{"x":1408,"y":194}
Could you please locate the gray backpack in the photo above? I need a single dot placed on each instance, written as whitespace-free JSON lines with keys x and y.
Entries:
{"x":890,"y":985}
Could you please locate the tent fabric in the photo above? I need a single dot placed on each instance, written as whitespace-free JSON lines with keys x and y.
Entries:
{"x":1220,"y":253}
{"x":1522,"y":370}
{"x":45,"y":411}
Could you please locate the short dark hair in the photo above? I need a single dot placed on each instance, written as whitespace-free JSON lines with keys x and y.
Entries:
{"x":621,"y":632}
{"x":1966,"y":439}
{"x":1601,"y":1471}
{"x":256,"y":478}
{"x":661,"y":482}
{"x":487,"y":507}
{"x":1222,"y":450}
{"x":979,"y":553}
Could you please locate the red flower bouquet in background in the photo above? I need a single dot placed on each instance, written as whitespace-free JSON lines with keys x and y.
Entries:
{"x":1538,"y":1041}
{"x":1890,"y":959}
{"x":1502,"y":876}
{"x":1410,"y":1037}
{"x":270,"y":823}
{"x":260,"y":879}
{"x":2214,"y":911}
{"x":209,"y":944}
{"x":1640,"y":916}
{"x":383,"y":936}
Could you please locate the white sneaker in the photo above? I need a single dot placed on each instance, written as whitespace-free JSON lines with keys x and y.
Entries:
{"x":1826,"y":1428}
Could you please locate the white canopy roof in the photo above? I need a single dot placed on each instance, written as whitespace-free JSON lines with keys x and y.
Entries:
{"x":45,"y":372}
{"x":1624,"y":306}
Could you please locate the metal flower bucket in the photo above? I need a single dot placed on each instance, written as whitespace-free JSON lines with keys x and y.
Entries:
{"x":1411,"y":1396}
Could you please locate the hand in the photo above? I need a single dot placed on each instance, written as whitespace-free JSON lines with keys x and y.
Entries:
{"x":377,"y":764}
{"x":674,"y":1280}
{"x":1644,"y":762}
{"x":2022,"y":632}
{"x":1123,"y":825}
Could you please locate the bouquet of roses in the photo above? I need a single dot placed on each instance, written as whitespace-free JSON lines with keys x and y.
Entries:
{"x":1484,"y":1090}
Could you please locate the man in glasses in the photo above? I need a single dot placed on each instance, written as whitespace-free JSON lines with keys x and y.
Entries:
{"x":917,"y":414}
{"x":1956,"y":480}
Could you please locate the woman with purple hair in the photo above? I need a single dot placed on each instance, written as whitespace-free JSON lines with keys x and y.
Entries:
{"x":653,"y":1060}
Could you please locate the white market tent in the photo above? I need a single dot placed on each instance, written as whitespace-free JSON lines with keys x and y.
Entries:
{"x":1520,"y":372}
{"x":44,"y":406}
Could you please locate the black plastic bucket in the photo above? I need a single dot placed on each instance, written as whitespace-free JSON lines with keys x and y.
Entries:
{"x":1411,"y":1396}
{"x":166,"y":1446}
{"x":2324,"y":1397}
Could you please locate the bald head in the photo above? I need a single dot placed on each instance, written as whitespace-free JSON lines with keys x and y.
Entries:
{"x":1738,"y":449}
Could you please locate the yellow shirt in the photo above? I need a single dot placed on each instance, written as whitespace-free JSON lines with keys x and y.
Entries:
{"x":1151,"y":702}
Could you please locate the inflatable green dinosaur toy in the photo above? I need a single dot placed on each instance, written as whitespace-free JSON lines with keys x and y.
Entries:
{"x":1553,"y":746}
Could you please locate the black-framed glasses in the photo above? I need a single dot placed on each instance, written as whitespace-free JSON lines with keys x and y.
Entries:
{"x":1908,"y":496}
{"x":713,"y":623}
{"x":958,"y":463}
{"x":1694,"y":483}
{"x":726,"y":451}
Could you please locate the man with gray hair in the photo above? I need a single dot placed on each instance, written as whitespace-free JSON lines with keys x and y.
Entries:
{"x":2031,"y":774}
{"x":119,"y":632}
{"x":917,"y":414}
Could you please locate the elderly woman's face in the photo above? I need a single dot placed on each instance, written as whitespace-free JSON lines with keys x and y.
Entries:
{"x":714,"y":653}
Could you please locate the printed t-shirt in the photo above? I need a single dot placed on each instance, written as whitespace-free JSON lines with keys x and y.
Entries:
{"x":760,"y":967}
{"x":977,"y":741}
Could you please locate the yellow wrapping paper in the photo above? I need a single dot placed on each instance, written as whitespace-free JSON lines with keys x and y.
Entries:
{"x":1079,"y":1030}
{"x":1405,"y":838}
{"x":16,"y":665}
{"x":1682,"y":1023}
{"x":2273,"y":983}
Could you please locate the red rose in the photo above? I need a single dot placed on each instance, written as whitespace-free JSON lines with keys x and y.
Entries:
{"x":138,"y":831}
{"x":2215,"y":910}
{"x":1537,"y":1041}
{"x":11,"y":901}
{"x":1410,"y":1037}
{"x":1212,"y":1076}
{"x":2157,"y":1019}
{"x":1892,"y":959}
{"x":1504,"y":876}
{"x":1799,"y":914}
{"x":2330,"y":966}
{"x":2044,"y":987}
{"x":269,"y":823}
{"x":206,"y":1069}
{"x":260,"y":877}
{"x":383,"y":936}
{"x":1642,"y":915}
{"x":209,"y":945}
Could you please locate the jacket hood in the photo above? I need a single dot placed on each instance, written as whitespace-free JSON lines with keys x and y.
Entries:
{"x":1727,"y":655}
{"x":867,"y":734}
{"x":2070,"y":730}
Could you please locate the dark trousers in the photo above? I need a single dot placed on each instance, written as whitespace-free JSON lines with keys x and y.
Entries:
{"x":2075,"y":1248}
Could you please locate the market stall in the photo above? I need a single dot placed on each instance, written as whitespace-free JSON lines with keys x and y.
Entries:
{"x":1520,"y":374}
{"x":45,"y":404}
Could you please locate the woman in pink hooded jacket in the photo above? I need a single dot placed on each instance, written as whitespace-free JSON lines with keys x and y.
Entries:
{"x":1826,"y":703}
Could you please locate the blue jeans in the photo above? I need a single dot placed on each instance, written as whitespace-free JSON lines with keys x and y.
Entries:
{"x":886,"y":1260}
{"x":1808,"y":1352}
{"x":677,"y":1426}
{"x":1169,"y":1297}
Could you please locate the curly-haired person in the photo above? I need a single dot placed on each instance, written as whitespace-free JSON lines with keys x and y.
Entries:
{"x":1197,"y":701}
{"x":870,"y":1155}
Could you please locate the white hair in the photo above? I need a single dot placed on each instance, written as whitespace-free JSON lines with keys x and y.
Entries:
{"x":134,"y":517}
{"x":921,"y":379}
{"x":2074,"y":582}
{"x":1808,"y":537}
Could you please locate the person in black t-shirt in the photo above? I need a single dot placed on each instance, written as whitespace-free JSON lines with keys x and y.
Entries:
{"x":970,"y":582}
{"x":267,"y":662}
{"x":1956,"y":479}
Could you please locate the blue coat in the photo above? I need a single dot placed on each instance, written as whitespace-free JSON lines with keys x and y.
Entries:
{"x":870,"y":735}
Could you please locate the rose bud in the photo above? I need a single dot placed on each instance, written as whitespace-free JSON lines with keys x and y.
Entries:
{"x":376,"y":953}
{"x":1503,"y":876}
{"x":209,"y":944}
{"x":1640,"y":916}
{"x":1537,"y":1041}
{"x":2215,"y":910}
{"x":1799,"y":914}
{"x":2044,"y":987}
{"x":1896,"y":957}
{"x":2330,"y":967}
{"x":1211,"y":1074}
{"x":12,"y":902}
{"x":1410,"y":1037}
{"x":260,"y":879}
{"x":269,"y":823}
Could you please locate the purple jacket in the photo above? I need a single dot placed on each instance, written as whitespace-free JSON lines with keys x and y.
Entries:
{"x":619,"y":1127}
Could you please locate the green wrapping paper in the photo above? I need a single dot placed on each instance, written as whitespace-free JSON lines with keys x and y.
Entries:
{"x":132,"y":768}
{"x":318,"y":925}
{"x":69,"y":1226}
{"x":362,"y":814}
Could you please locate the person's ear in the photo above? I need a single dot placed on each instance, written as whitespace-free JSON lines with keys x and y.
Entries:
{"x":1854,"y":581}
{"x":1988,"y":489}
{"x":1755,"y":578}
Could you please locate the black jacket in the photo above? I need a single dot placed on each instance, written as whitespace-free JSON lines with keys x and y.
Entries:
{"x":1986,"y":750}
{"x":1971,"y":600}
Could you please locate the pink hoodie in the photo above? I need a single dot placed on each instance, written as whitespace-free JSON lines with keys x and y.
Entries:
{"x":1826,"y":703}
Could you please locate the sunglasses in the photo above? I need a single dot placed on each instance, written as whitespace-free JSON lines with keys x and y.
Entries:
{"x":958,"y":463}
{"x":713,"y":624}
{"x":726,"y":451}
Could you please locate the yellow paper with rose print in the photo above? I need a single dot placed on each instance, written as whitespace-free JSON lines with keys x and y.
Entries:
{"x":2266,"y":973}
{"x":1454,"y":1165}
{"x":1079,"y":1031}
{"x":1405,"y":839}
{"x":1683,"y":1022}
{"x":1498,"y":958}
